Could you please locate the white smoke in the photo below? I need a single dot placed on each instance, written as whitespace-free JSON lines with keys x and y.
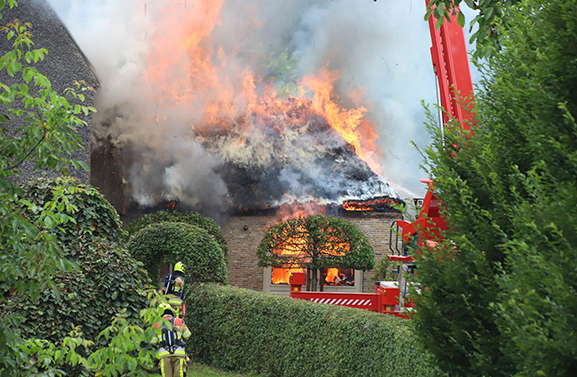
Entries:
{"x":380,"y":48}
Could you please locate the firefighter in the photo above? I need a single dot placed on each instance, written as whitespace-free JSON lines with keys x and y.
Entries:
{"x":174,"y":289}
{"x":171,"y":343}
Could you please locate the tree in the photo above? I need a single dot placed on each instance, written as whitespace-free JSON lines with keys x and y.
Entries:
{"x":108,"y":279}
{"x":31,"y":258}
{"x":315,"y":243}
{"x":501,"y":292}
{"x":491,"y":21}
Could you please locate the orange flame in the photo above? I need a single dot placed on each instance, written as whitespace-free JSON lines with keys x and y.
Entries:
{"x":332,"y":274}
{"x":187,"y":69}
{"x":295,"y":209}
{"x":369,"y":205}
{"x":351,"y":124}
{"x":282,"y":275}
{"x":297,"y":245}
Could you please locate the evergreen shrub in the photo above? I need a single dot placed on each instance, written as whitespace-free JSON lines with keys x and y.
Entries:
{"x":169,"y":242}
{"x":108,"y":279}
{"x":502,"y":299}
{"x":192,"y":218}
{"x":254,"y":332}
{"x":108,"y":282}
{"x":94,"y":216}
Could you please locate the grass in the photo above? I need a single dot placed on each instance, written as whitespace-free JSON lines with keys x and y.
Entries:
{"x":200,"y":370}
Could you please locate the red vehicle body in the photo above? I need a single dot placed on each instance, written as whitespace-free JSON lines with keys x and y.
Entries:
{"x":451,"y":65}
{"x":384,"y":300}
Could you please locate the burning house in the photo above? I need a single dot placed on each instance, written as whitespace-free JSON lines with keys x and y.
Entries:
{"x":224,"y":108}
{"x":288,"y":161}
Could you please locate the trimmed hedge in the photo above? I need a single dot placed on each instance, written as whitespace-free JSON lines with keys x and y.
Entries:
{"x":109,"y":281}
{"x":192,"y":218}
{"x":249,"y":332}
{"x":169,"y":242}
{"x":94,"y":215}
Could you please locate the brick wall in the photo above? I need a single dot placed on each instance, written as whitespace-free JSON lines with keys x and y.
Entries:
{"x":243,"y":235}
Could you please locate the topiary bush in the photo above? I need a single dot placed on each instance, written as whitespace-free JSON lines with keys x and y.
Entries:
{"x":108,"y":282}
{"x":254,"y":332}
{"x":193,"y":218}
{"x":108,"y":279}
{"x":94,"y":216}
{"x":169,"y":242}
{"x":322,"y":242}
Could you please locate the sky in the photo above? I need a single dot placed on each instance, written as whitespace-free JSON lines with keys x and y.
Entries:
{"x":380,"y":49}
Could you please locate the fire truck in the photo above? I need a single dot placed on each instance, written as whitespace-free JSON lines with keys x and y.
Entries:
{"x":451,"y":66}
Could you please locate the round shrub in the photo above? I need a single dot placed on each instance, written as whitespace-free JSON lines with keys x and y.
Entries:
{"x":169,"y":242}
{"x":94,"y":215}
{"x":108,"y":280}
{"x":193,"y":218}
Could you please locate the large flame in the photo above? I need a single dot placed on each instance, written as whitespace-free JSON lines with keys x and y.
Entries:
{"x":186,"y":69}
{"x":297,"y":245}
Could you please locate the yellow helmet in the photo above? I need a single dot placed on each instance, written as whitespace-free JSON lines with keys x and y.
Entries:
{"x":164,"y":306}
{"x":179,"y":266}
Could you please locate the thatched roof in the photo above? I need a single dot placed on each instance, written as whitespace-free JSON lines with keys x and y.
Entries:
{"x":64,"y":64}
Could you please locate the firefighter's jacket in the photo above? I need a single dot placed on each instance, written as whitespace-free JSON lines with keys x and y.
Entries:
{"x":177,"y":287}
{"x":177,"y":304}
{"x":181,"y":333}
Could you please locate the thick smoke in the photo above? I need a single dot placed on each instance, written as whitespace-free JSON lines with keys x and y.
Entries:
{"x":381,"y":50}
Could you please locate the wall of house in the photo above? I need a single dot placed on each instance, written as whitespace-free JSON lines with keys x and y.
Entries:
{"x":243,"y":235}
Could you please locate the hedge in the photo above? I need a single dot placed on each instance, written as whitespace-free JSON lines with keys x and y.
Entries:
{"x":254,"y":332}
{"x":109,"y":281}
{"x":169,"y":242}
{"x":192,"y":218}
{"x":94,"y":215}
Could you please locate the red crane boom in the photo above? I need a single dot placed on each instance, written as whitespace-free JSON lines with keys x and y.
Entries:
{"x":451,"y":64}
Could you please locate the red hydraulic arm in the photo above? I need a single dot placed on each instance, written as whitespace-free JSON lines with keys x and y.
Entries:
{"x":451,"y":64}
{"x":429,"y":221}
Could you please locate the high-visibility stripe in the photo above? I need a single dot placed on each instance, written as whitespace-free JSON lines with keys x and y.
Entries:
{"x":343,"y":302}
{"x":164,"y":352}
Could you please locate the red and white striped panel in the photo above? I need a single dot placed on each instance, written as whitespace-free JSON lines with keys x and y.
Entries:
{"x":354,"y":303}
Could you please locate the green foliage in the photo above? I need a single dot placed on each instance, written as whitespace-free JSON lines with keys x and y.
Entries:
{"x":127,"y":350}
{"x":109,"y":282}
{"x":123,"y":349}
{"x":385,"y":270}
{"x":90,"y":215}
{"x":168,"y":242}
{"x":29,"y":254}
{"x":501,"y":295}
{"x":282,"y":69}
{"x":270,"y":335}
{"x":491,"y":21}
{"x":322,"y":242}
{"x":192,"y":218}
{"x":51,"y":120}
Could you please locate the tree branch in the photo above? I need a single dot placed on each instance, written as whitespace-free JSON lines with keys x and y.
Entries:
{"x":28,"y":154}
